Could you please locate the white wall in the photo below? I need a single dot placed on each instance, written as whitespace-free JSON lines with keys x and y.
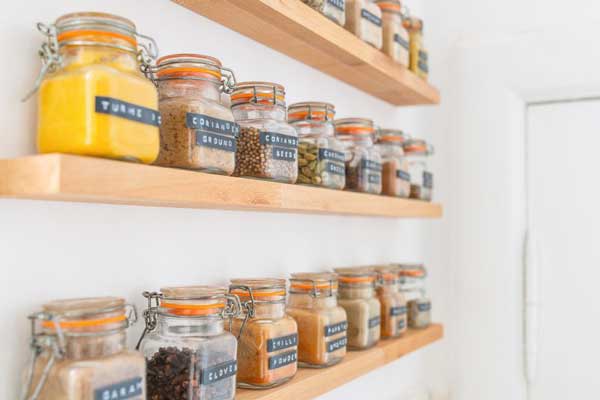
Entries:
{"x":60,"y":249}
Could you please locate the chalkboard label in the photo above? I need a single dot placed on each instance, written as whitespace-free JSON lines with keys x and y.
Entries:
{"x":130,"y":111}
{"x":372,"y":18}
{"x":284,"y":153}
{"x":402,"y":175}
{"x":370,"y":165}
{"x":277,"y":139}
{"x":283,"y":342}
{"x":374,"y":322}
{"x":427,"y":180}
{"x":212,"y":125}
{"x":219,"y":372}
{"x":422,"y":307}
{"x":339,"y":4}
{"x":337,"y":344}
{"x":401,"y":41}
{"x":120,"y":391}
{"x":396,"y":311}
{"x":401,"y":324}
{"x":215,"y":141}
{"x":374,"y":178}
{"x":327,"y":154}
{"x":334,"y":329}
{"x":281,"y":360}
{"x":335,"y":169}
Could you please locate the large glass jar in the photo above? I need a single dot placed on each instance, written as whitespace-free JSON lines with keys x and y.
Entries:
{"x":393,"y":303}
{"x":267,"y":145}
{"x":412,"y":285}
{"x":419,"y":63}
{"x":268,"y":337}
{"x":79,"y":349}
{"x":395,"y":170}
{"x":421,"y":178}
{"x":363,"y":18}
{"x":93,"y":98}
{"x":197,"y":131}
{"x":363,"y":161}
{"x":320,"y":154}
{"x":395,"y":36}
{"x":357,"y":296}
{"x":322,"y":324}
{"x":188,"y":352}
{"x":335,"y":10}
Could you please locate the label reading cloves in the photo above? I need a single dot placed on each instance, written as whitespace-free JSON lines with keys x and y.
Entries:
{"x":372,"y":18}
{"x":283,"y":342}
{"x":337,"y":344}
{"x":120,"y":391}
{"x":396,"y":311}
{"x":334,"y":329}
{"x":215,"y":141}
{"x":211,"y":125}
{"x":422,"y":307}
{"x":219,"y":372}
{"x":401,"y":41}
{"x":427,"y":180}
{"x":282,"y":360}
{"x":402,"y":175}
{"x":374,"y":322}
{"x":339,"y":4}
{"x":130,"y":111}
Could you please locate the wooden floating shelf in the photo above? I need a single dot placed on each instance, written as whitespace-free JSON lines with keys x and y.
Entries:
{"x":293,"y":28}
{"x":96,"y":180}
{"x":311,"y":383}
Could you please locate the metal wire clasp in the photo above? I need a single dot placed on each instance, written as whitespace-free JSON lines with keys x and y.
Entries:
{"x":150,"y":314}
{"x":48,"y":53}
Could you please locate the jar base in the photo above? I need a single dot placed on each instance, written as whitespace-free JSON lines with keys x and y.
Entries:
{"x":353,"y":348}
{"x":280,"y":382}
{"x":320,"y":366}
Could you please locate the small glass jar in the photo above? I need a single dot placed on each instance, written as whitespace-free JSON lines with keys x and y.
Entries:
{"x":322,"y":324}
{"x":335,"y":10}
{"x":393,"y":303}
{"x":93,"y":98}
{"x":395,"y":170}
{"x":79,"y":349}
{"x":357,"y":296}
{"x":418,"y":55}
{"x":395,"y":36}
{"x":421,"y":178}
{"x":363,"y":18}
{"x":268,"y":337}
{"x":197,"y":131}
{"x":321,"y":156}
{"x":267,"y":145}
{"x":412,"y":285}
{"x":188,"y":352}
{"x":363,"y":161}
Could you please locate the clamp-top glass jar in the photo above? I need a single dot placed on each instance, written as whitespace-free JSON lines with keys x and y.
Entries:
{"x":93,"y":98}
{"x":395,"y":36}
{"x":357,"y":296}
{"x":419,"y":63}
{"x":335,"y":10}
{"x":363,"y":161}
{"x":268,"y":337}
{"x":197,"y":131}
{"x":421,"y":178}
{"x":363,"y":18}
{"x":189,"y":353}
{"x":320,"y":154}
{"x":412,"y":285}
{"x":322,"y":324}
{"x":267,"y":145}
{"x":393,"y":303}
{"x":395,"y":170}
{"x":79,"y":349}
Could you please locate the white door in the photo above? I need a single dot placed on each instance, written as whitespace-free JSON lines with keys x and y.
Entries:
{"x":563,"y":159}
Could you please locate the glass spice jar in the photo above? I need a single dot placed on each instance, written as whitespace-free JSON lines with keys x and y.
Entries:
{"x":93,"y":98}
{"x":79,"y":352}
{"x":418,"y":54}
{"x":268,"y":337}
{"x":421,"y":178}
{"x":363,"y":161}
{"x":395,"y":170}
{"x":197,"y":131}
{"x":395,"y":36}
{"x":393,"y":304}
{"x":335,"y":10}
{"x":412,"y":285}
{"x":320,"y":154}
{"x":188,"y":352}
{"x":363,"y":18}
{"x":357,"y":296}
{"x":322,"y":324}
{"x":267,"y":145}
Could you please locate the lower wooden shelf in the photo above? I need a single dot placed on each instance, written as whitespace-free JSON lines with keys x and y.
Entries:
{"x":311,"y":383}
{"x":87,"y":179}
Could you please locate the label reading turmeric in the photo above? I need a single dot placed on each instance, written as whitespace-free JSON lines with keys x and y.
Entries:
{"x":130,"y":111}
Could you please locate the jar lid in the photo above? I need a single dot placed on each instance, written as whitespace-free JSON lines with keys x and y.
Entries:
{"x":354,"y":126}
{"x":192,"y":300}
{"x":413,"y":24}
{"x":387,"y":274}
{"x":392,"y":136}
{"x":411,"y":270}
{"x":263,"y":93}
{"x":85,"y":314}
{"x":96,"y":27}
{"x":314,"y":283}
{"x":259,"y":288}
{"x":194,"y":67}
{"x":394,"y":6}
{"x":357,"y":276}
{"x":311,"y":111}
{"x":417,"y":146}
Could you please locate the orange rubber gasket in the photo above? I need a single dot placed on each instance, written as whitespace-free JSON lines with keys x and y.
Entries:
{"x":70,"y":34}
{"x":315,"y":115}
{"x":85,"y":323}
{"x":246,"y":96}
{"x":187,"y":71}
{"x":356,"y":279}
{"x":192,"y":309}
{"x":391,"y":138}
{"x":415,"y":148}
{"x":354,"y":129}
{"x":389,"y":277}
{"x":244,"y":293}
{"x":315,"y":286}
{"x":390,"y":6}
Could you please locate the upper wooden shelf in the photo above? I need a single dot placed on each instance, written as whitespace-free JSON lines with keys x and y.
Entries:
{"x":295,"y":29}
{"x":87,"y":179}
{"x":311,"y":383}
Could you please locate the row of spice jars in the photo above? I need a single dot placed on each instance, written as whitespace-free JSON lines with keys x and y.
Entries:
{"x":384,"y":24}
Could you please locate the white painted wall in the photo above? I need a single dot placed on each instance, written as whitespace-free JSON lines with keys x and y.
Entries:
{"x":55,"y":250}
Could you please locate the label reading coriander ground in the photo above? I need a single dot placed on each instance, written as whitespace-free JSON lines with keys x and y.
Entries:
{"x":219,"y":372}
{"x":372,"y":18}
{"x":401,"y":41}
{"x":339,"y":4}
{"x":211,"y":125}
{"x":427,"y":180}
{"x":402,"y":175}
{"x":422,"y":307}
{"x":282,"y":360}
{"x":334,"y":329}
{"x":337,"y":344}
{"x":283,"y":342}
{"x":120,"y":391}
{"x":122,"y":109}
{"x":396,"y":311}
{"x":374,"y":322}
{"x":215,"y":141}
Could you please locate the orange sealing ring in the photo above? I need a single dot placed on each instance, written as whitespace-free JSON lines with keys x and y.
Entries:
{"x":389,"y":277}
{"x":192,"y":309}
{"x":70,"y":34}
{"x":316,"y":115}
{"x":389,"y":6}
{"x":315,"y":286}
{"x":411,"y":148}
{"x":258,"y":293}
{"x":356,"y":279}
{"x":187,"y":71}
{"x":247,"y":96}
{"x":389,"y":138}
{"x":355,"y":129}
{"x":84,"y":323}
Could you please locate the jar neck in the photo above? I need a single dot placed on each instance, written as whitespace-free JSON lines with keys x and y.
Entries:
{"x":94,"y":346}
{"x":190,"y":89}
{"x":356,"y":140}
{"x":74,"y":56}
{"x":194,"y":326}
{"x":314,"y":129}
{"x":388,"y":288}
{"x":250,"y":111}
{"x":356,"y":292}
{"x":306,"y":300}
{"x":267,"y":311}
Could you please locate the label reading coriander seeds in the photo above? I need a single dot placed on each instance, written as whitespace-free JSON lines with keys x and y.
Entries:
{"x":120,"y":391}
{"x":122,"y":109}
{"x":372,"y":18}
{"x":211,"y":125}
{"x":374,"y":322}
{"x":283,"y":342}
{"x":401,"y":41}
{"x":402,"y":175}
{"x":337,"y":344}
{"x":427,"y":180}
{"x":422,"y":307}
{"x":334,"y":329}
{"x":215,"y":141}
{"x":396,"y":311}
{"x":219,"y":372}
{"x":281,"y":360}
{"x":277,"y":139}
{"x":284,"y":154}
{"x":339,"y":4}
